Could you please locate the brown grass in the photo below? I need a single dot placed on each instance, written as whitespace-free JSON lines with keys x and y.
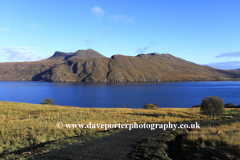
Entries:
{"x":23,"y":124}
{"x":229,"y":135}
{"x":226,"y":142}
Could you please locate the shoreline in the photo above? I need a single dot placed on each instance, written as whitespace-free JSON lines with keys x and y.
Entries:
{"x":104,"y":82}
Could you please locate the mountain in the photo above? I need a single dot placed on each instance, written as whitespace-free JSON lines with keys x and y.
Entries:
{"x":24,"y":71}
{"x":80,"y":54}
{"x":59,"y":56}
{"x":91,"y":66}
{"x":143,"y":67}
{"x":84,"y":54}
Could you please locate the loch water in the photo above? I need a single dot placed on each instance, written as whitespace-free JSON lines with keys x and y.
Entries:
{"x":115,"y":95}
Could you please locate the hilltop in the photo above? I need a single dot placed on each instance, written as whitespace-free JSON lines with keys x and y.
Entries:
{"x":91,"y":66}
{"x":80,"y":54}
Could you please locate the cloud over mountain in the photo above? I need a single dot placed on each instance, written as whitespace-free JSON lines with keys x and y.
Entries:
{"x":142,"y":50}
{"x":230,"y":54}
{"x":225,"y":65}
{"x":20,"y":54}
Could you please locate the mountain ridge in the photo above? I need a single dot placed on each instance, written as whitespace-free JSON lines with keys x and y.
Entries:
{"x":90,"y":66}
{"x":80,"y":54}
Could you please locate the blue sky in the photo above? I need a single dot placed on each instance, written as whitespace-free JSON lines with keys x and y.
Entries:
{"x":200,"y":31}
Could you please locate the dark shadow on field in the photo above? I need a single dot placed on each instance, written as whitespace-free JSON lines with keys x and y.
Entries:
{"x":33,"y":147}
{"x":191,"y":151}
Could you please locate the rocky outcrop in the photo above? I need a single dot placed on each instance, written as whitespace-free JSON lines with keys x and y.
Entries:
{"x":91,"y":70}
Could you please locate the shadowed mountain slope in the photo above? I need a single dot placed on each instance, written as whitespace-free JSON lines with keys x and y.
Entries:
{"x":23,"y":71}
{"x":91,"y":66}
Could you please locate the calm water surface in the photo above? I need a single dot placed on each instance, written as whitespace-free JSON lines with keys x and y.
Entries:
{"x":111,"y":95}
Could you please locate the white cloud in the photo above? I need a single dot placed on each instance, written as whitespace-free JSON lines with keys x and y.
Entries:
{"x":123,"y":19}
{"x":20,"y":54}
{"x":4,"y":29}
{"x":97,"y":11}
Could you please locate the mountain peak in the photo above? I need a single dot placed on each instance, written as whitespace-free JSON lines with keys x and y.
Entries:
{"x":80,"y":54}
{"x":89,"y":53}
{"x":148,"y":55}
{"x":59,"y":53}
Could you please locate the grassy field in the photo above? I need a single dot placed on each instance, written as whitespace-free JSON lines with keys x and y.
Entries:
{"x":225,"y":143}
{"x":24,"y":125}
{"x":221,"y":142}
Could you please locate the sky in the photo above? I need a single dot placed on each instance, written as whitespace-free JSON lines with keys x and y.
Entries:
{"x":200,"y":31}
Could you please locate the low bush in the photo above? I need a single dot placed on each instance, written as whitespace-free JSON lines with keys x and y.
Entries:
{"x":212,"y":105}
{"x":151,"y":106}
{"x":48,"y":101}
{"x":229,"y":105}
{"x":196,"y":106}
